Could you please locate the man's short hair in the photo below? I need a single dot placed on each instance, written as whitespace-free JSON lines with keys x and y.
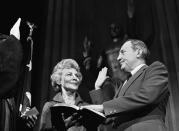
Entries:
{"x":138,"y":44}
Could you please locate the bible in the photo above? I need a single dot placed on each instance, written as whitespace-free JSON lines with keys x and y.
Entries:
{"x":61,"y":111}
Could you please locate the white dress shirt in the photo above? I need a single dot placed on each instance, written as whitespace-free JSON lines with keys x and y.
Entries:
{"x":134,"y":71}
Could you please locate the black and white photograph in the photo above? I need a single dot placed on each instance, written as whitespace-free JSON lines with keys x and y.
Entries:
{"x":114,"y":63}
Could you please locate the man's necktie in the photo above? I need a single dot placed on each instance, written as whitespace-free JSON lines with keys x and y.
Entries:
{"x":128,"y":76}
{"x":122,"y":89}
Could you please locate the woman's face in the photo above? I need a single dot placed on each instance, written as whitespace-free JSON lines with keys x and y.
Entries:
{"x":70,"y":79}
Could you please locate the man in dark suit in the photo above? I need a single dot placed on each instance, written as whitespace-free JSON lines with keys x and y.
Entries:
{"x":140,"y":104}
{"x":109,"y":80}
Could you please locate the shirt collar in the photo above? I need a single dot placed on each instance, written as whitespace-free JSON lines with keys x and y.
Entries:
{"x":136,"y":69}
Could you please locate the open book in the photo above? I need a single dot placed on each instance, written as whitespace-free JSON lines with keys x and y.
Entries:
{"x":88,"y":115}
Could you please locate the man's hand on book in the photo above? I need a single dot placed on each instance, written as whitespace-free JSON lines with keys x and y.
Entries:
{"x":98,"y":108}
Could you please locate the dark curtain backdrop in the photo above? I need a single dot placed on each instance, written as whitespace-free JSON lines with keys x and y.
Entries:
{"x":58,"y":40}
{"x":168,"y":25}
{"x":65,"y":23}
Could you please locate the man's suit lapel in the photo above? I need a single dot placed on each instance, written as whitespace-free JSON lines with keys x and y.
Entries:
{"x":117,"y":92}
{"x":130,"y":81}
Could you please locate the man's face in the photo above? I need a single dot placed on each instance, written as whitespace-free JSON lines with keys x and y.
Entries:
{"x":70,"y":79}
{"x":127,"y":57}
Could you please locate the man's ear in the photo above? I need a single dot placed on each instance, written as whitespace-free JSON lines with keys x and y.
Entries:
{"x":139,"y":53}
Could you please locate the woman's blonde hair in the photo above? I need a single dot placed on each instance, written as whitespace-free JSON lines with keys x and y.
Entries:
{"x":58,"y":69}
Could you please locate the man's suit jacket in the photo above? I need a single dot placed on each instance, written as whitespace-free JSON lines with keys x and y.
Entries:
{"x":140,"y":104}
{"x":106,"y":92}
